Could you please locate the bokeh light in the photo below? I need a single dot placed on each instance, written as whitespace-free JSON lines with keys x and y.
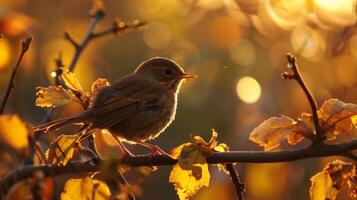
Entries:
{"x":347,"y":70}
{"x":223,"y":31}
{"x":308,"y":42}
{"x":336,"y":12}
{"x":5,"y":54}
{"x":248,"y":89}
{"x":243,"y":52}
{"x":157,"y":35}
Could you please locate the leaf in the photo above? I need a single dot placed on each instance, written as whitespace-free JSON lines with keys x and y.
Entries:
{"x":85,"y":189}
{"x":99,"y":83}
{"x":337,"y":117}
{"x":222,"y":147}
{"x":14,"y":131}
{"x":70,"y":80}
{"x":191,"y":173}
{"x":340,"y":173}
{"x":53,"y":96}
{"x":294,"y":138}
{"x":321,"y":187}
{"x":272,"y":131}
{"x":336,"y":176}
{"x":61,"y":150}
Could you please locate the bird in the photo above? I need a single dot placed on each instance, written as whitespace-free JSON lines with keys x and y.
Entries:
{"x":136,"y":108}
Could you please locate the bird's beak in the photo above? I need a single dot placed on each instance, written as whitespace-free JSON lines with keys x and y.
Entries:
{"x":186,"y":76}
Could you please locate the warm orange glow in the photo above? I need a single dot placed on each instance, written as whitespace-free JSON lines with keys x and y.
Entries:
{"x":4,"y":53}
{"x":157,"y":35}
{"x":223,"y":31}
{"x":308,"y":42}
{"x":336,"y":12}
{"x":243,"y":52}
{"x":248,"y":89}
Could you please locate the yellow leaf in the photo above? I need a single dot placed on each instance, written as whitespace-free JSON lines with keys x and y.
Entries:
{"x":70,"y":80}
{"x":340,"y":173}
{"x":322,"y":187}
{"x":272,"y":131}
{"x":337,"y":117}
{"x":99,"y":83}
{"x":191,"y":173}
{"x":14,"y":131}
{"x":61,"y":150}
{"x":85,"y":189}
{"x":294,"y":138}
{"x":222,"y":147}
{"x":52,"y":96}
{"x":336,"y":176}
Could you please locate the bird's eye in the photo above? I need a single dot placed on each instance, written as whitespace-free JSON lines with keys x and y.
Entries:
{"x":167,"y":71}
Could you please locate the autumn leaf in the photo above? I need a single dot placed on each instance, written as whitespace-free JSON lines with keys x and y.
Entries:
{"x":85,"y":189}
{"x":322,"y":187}
{"x":70,"y":80}
{"x":53,"y":96}
{"x":338,"y":117}
{"x":222,"y":147}
{"x":336,"y":176}
{"x":99,"y":83}
{"x":61,"y":150}
{"x":191,"y":173}
{"x":14,"y":131}
{"x":272,"y":131}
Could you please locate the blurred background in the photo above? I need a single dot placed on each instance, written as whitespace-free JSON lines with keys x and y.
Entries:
{"x":237,"y":47}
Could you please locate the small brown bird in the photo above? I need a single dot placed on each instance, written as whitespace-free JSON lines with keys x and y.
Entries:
{"x":137,"y":107}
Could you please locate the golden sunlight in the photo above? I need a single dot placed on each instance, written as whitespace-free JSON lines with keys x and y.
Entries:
{"x":4,"y":53}
{"x":248,"y":89}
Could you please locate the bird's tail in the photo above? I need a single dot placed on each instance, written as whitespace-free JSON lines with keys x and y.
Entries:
{"x":56,"y":124}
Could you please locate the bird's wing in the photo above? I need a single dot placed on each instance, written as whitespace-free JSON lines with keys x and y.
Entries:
{"x":127,"y":98}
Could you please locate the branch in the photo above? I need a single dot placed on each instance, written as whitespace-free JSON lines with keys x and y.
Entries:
{"x":297,"y":76}
{"x":98,"y":15}
{"x":240,"y":187}
{"x":25,"y":44}
{"x":94,"y":165}
{"x":119,"y":27}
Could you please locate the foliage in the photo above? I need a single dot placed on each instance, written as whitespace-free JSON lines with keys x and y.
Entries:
{"x":93,"y":174}
{"x":191,"y":173}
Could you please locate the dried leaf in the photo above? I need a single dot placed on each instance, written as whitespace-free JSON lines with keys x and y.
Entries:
{"x":85,"y":189}
{"x":61,"y":150}
{"x":337,"y":117}
{"x":53,"y":96}
{"x":99,"y":83}
{"x":294,"y":138}
{"x":321,"y":187}
{"x":340,"y":173}
{"x":14,"y":131}
{"x":272,"y":131}
{"x":191,"y":173}
{"x":70,"y":80}
{"x":222,"y":147}
{"x":336,"y":176}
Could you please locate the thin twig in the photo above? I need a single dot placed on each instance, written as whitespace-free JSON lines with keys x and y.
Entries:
{"x":81,"y":46}
{"x":94,"y":165}
{"x":25,"y":44}
{"x":240,"y":187}
{"x":292,"y":64}
{"x":119,"y":27}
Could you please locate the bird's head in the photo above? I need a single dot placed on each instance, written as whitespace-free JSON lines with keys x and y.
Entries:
{"x":163,"y":70}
